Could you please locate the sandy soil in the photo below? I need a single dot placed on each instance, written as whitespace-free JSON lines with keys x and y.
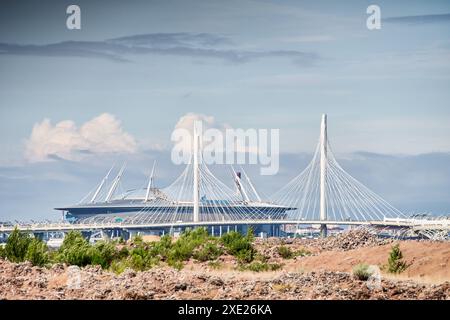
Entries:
{"x":428,"y":262}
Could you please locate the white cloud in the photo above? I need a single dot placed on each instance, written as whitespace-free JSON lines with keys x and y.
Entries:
{"x":186,"y":124}
{"x":102,"y":134}
{"x":187,"y":121}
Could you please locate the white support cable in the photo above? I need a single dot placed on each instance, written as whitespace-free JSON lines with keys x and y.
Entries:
{"x":325,"y":187}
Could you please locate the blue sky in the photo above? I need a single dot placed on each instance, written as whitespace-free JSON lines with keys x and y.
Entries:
{"x":249,"y":64}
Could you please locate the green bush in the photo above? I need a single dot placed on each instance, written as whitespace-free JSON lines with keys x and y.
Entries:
{"x":183,"y":249}
{"x":119,"y":266}
{"x":285,"y":252}
{"x":161,"y":248}
{"x":260,"y":257}
{"x":250,"y":234}
{"x":257,"y":266}
{"x":137,"y":240}
{"x":37,"y":253}
{"x":275,"y":266}
{"x":361,"y":272}
{"x":395,"y":262}
{"x":302,"y":253}
{"x":239,"y":246}
{"x":20,"y":247}
{"x":17,"y":246}
{"x":102,"y":253}
{"x":209,"y":251}
{"x":75,"y":250}
{"x":123,"y":253}
{"x":2,"y":252}
{"x":140,"y":259}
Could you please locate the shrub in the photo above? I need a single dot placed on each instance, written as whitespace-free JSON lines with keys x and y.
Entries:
{"x":260,"y":257}
{"x":75,"y":250}
{"x":239,"y":246}
{"x":275,"y":266}
{"x":250,"y":234}
{"x":285,"y":252}
{"x":161,"y":247}
{"x":20,"y":247}
{"x":141,"y":258}
{"x":137,"y":262}
{"x":258,"y":266}
{"x":37,"y":253}
{"x":183,"y":248}
{"x":123,"y":253}
{"x":181,"y":251}
{"x":361,"y":272}
{"x":395,"y":262}
{"x":137,"y":240}
{"x":102,"y":253}
{"x":17,"y":246}
{"x":209,"y":251}
{"x":302,"y":252}
{"x":2,"y":252}
{"x":119,"y":266}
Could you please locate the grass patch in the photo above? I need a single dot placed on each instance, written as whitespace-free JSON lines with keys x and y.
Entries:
{"x":302,"y":253}
{"x":361,"y":272}
{"x":258,"y":266}
{"x":285,"y":252}
{"x":215,"y":265}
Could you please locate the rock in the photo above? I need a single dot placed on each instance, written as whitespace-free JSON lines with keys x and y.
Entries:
{"x":216,"y":281}
{"x":181,"y":286}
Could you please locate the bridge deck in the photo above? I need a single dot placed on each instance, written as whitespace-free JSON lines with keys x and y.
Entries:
{"x":411,"y":223}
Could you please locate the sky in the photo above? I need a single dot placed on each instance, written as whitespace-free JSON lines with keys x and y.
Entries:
{"x":72,"y":102}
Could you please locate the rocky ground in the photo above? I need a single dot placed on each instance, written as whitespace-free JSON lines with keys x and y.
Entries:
{"x":324,"y":274}
{"x":22,"y":281}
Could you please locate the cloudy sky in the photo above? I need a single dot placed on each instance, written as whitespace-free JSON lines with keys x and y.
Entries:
{"x":72,"y":102}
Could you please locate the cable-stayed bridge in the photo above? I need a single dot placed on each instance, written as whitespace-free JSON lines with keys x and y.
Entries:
{"x":323,"y":193}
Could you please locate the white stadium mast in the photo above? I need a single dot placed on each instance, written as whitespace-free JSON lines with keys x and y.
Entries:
{"x":196,"y":175}
{"x":115,"y":184}
{"x":150,"y":182}
{"x":100,"y":187}
{"x":323,"y":174}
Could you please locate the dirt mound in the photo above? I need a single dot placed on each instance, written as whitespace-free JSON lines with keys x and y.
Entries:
{"x":427,"y":261}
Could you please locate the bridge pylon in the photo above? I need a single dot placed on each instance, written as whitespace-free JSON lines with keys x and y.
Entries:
{"x":323,"y":175}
